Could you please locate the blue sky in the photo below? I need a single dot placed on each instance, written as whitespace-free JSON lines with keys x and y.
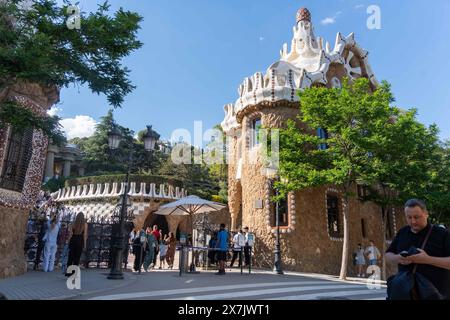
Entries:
{"x":197,"y":52}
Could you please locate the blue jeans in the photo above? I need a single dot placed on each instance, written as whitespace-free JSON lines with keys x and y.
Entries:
{"x":372,"y":262}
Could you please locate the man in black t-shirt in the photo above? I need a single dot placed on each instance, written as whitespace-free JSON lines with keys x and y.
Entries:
{"x":434,"y":261}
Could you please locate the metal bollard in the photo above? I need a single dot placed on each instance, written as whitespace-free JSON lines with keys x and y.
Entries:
{"x":250,"y":260}
{"x":240,"y":260}
{"x":140,"y":259}
{"x":181,"y":258}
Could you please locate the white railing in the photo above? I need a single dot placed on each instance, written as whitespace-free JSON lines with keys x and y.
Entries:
{"x":83,"y":192}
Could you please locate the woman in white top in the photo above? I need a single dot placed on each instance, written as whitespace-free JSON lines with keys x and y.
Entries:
{"x":50,"y":238}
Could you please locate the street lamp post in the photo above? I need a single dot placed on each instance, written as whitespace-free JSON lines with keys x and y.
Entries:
{"x":277,"y":253}
{"x":204,"y":256}
{"x":118,"y":236}
{"x":273,"y":175}
{"x":119,"y":239}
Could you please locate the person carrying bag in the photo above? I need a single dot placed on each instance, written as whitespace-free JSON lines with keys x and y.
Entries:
{"x":411,"y":285}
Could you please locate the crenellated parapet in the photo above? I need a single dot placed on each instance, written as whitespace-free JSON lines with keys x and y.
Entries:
{"x":114,"y":190}
{"x":308,"y":62}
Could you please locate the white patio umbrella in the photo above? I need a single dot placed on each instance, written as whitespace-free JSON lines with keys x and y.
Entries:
{"x":188,"y":206}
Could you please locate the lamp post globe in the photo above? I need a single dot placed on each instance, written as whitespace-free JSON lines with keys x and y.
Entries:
{"x":150,"y":139}
{"x":114,"y":138}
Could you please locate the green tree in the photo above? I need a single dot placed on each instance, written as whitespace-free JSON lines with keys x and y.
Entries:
{"x":436,"y":192}
{"x":402,"y":150}
{"x":98,"y":155}
{"x":37,"y":46}
{"x":350,"y":115}
{"x":218,"y":172}
{"x":22,"y":118}
{"x":54,"y":184}
{"x":196,"y":177}
{"x":79,"y":142}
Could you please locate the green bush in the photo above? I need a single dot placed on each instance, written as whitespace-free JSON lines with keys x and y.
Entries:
{"x":54,"y":184}
{"x":218,"y":198}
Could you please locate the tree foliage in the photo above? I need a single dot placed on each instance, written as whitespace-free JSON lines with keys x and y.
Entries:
{"x":37,"y":46}
{"x":369,"y":141}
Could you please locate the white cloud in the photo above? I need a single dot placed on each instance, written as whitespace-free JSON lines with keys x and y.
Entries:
{"x":359,"y":6}
{"x":261,"y":38}
{"x":80,"y":126}
{"x":54,"y":111}
{"x":328,"y":20}
{"x":338,"y":13}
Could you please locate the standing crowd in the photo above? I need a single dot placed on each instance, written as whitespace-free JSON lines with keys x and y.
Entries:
{"x":147,"y":244}
{"x":362,"y":257}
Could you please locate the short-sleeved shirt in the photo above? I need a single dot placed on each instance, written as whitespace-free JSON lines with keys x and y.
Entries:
{"x":51,"y":235}
{"x":249,"y":239}
{"x":373,"y":252}
{"x":156,"y":234}
{"x":222,"y":240}
{"x":238,"y":241}
{"x":438,"y":245}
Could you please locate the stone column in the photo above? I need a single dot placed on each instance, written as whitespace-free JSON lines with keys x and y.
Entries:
{"x":66,"y":171}
{"x":49,"y":166}
{"x":81,"y":171}
{"x":234,"y":202}
{"x":50,"y":163}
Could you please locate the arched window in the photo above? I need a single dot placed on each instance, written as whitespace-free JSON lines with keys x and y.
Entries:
{"x":334,"y":229}
{"x":256,"y":126}
{"x":283,"y":212}
{"x":390,"y":230}
{"x":18,"y":155}
{"x":322,"y":134}
{"x":363,"y":228}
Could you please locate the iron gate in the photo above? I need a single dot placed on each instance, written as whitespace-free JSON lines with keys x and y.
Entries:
{"x":98,"y":250}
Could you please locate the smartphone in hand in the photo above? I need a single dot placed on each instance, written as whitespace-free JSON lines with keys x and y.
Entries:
{"x":404,"y":254}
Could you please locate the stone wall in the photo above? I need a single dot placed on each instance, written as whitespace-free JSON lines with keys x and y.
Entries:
{"x":12,"y":240}
{"x":14,"y":206}
{"x":309,"y":248}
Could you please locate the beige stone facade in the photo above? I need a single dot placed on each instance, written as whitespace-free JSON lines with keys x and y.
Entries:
{"x":13,"y":223}
{"x":305,"y":241}
{"x":270,"y":100}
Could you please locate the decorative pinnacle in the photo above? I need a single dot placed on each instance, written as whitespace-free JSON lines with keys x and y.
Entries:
{"x":303,"y":14}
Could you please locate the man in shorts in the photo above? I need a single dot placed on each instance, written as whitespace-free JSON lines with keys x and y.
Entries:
{"x":222,"y":248}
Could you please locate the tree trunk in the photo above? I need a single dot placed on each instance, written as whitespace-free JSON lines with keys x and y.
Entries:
{"x":344,"y":262}
{"x":383,"y":231}
{"x":4,"y":93}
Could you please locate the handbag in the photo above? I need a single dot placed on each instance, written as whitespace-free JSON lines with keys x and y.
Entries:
{"x":411,"y":285}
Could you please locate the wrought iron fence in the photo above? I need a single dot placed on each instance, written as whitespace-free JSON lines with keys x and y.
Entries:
{"x":98,"y":250}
